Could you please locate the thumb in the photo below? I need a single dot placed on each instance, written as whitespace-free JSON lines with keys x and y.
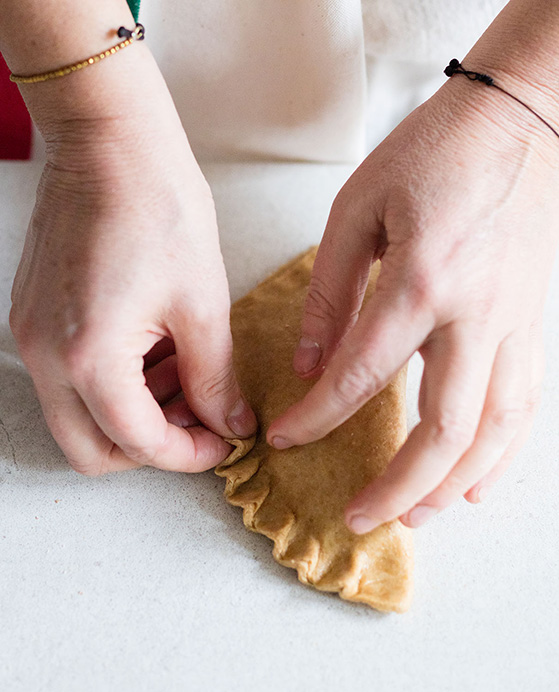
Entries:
{"x":205,"y":367}
{"x":338,"y":282}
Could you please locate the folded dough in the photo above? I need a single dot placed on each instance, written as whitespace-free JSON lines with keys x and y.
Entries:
{"x":297,"y":496}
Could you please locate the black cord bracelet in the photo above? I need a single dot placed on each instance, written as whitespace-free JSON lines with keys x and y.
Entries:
{"x":455,"y":67}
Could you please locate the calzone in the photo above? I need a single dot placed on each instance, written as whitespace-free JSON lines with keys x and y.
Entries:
{"x":296,"y":497}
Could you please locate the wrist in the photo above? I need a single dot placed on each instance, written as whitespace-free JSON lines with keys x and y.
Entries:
{"x":107,"y":90}
{"x":38,"y":37}
{"x":519,"y":51}
{"x":520,"y":90}
{"x":116,"y":109}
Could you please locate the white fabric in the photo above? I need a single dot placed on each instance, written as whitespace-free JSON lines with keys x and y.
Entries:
{"x":297,"y":80}
{"x":263,"y":79}
{"x":425,"y":30}
{"x":394,"y":89}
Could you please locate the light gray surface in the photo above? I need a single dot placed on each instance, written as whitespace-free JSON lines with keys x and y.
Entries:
{"x":148,"y":580}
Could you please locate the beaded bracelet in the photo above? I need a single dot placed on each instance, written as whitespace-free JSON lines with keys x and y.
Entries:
{"x":454,"y":67}
{"x":137,"y":34}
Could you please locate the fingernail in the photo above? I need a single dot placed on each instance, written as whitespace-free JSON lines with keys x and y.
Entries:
{"x":360,"y":523}
{"x":306,"y":356}
{"x":241,"y":419}
{"x":281,"y":443}
{"x":420,"y":514}
{"x":482,"y":493}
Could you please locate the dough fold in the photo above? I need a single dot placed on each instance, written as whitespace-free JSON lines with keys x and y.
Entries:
{"x":296,"y":497}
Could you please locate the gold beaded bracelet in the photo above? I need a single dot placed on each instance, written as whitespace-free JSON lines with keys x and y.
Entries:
{"x":137,"y":34}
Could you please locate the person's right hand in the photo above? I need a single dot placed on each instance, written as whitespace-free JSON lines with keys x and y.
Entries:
{"x":121,"y":260}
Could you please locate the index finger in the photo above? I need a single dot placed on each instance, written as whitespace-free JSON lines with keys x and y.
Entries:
{"x":386,"y":335}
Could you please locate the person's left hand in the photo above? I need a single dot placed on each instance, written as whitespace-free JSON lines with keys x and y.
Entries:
{"x":461,"y":204}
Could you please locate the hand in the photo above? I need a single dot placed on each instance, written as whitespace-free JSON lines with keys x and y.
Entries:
{"x":122,"y":261}
{"x":461,"y":204}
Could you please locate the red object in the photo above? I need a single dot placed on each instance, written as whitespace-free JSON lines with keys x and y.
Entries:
{"x":15,"y":121}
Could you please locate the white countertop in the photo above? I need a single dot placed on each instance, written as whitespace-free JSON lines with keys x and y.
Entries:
{"x":148,"y":581}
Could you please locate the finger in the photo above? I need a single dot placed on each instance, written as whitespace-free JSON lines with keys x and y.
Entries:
{"x":338,"y":282}
{"x":88,"y":450}
{"x":387,"y":333}
{"x":502,"y":416}
{"x":178,"y":413}
{"x":162,"y":379}
{"x":537,"y":367}
{"x":111,"y":383}
{"x":205,"y":368}
{"x":457,"y":370}
{"x":162,"y":349}
{"x":207,"y":450}
{"x":480,"y":490}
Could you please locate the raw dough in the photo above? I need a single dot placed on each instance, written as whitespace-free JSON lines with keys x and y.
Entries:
{"x":297,"y":496}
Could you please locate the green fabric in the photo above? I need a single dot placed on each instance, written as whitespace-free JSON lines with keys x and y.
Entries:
{"x":134,"y":8}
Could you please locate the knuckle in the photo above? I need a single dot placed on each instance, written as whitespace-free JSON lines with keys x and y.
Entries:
{"x":506,"y":419}
{"x":148,"y":452}
{"x":453,"y":430}
{"x":482,"y":311}
{"x":78,"y":357}
{"x":318,"y":304}
{"x":423,"y":290}
{"x":356,"y":385}
{"x":144,"y":455}
{"x":220,"y":384}
{"x":80,"y":350}
{"x":24,"y":331}
{"x":394,"y":507}
{"x":533,"y":400}
{"x":144,"y":451}
{"x":92,"y":469}
{"x":121,"y":420}
{"x":454,"y":486}
{"x":210,"y":316}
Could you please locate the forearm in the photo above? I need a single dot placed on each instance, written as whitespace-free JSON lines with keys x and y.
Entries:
{"x":38,"y":35}
{"x":521,"y":50}
{"x":42,"y":35}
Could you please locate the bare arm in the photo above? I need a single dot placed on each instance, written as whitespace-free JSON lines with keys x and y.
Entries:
{"x":122,"y":256}
{"x":40,"y":36}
